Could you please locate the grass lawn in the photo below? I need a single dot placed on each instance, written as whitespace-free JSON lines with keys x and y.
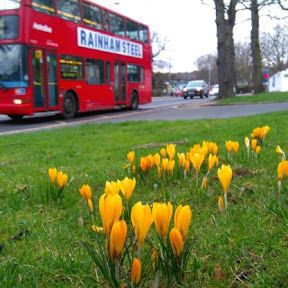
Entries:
{"x":40,"y":238}
{"x":258,"y":98}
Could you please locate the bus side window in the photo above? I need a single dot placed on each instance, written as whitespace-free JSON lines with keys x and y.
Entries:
{"x":44,"y":6}
{"x":143,"y":32}
{"x":117,"y":24}
{"x":71,"y":67}
{"x":92,"y":16}
{"x":69,"y":10}
{"x":133,"y":73}
{"x":94,"y":69}
{"x":132,"y":30}
{"x":105,"y":20}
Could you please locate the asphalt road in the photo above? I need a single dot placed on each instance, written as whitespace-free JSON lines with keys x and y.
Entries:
{"x":165,"y":109}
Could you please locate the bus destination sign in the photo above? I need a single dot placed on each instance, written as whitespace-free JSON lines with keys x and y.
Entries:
{"x":99,"y":41}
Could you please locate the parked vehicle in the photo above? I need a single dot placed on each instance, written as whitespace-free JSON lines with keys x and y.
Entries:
{"x":196,"y":88}
{"x":177,"y":91}
{"x":214,"y":90}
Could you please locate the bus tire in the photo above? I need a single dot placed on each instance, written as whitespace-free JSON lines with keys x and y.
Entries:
{"x":16,"y":117}
{"x":69,"y":106}
{"x":134,"y":101}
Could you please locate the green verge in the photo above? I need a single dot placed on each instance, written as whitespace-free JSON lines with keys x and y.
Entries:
{"x":40,"y":239}
{"x":258,"y":98}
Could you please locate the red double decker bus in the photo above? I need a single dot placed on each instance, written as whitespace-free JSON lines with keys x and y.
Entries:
{"x":71,"y":56}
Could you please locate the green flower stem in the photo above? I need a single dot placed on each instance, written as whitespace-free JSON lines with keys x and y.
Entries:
{"x":139,"y":252}
{"x":225,"y":199}
{"x":117,"y":272}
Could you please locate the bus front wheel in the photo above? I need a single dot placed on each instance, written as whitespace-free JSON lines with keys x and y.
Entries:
{"x":15,"y":117}
{"x":69,"y":106}
{"x":134,"y":101}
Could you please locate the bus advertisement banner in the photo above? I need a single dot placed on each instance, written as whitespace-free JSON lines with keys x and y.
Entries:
{"x":98,"y":41}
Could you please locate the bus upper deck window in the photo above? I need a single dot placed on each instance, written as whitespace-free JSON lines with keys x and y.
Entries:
{"x":44,"y":6}
{"x":69,"y":10}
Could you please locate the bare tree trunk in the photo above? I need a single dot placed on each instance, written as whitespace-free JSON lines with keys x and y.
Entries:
{"x":255,"y":47}
{"x":225,"y":21}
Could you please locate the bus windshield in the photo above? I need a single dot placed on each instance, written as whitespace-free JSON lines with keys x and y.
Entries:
{"x":10,"y":4}
{"x":13,"y":66}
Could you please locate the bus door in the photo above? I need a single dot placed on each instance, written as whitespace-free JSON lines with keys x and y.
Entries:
{"x":44,"y":63}
{"x":120,"y":82}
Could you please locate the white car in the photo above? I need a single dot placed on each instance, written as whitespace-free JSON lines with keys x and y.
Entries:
{"x":214,"y":90}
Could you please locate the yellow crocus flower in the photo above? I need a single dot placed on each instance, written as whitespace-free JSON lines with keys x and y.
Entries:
{"x":143,"y":164}
{"x":213,"y":148}
{"x":225,"y":177}
{"x":134,"y":170}
{"x":181,"y":159}
{"x":182,"y":219}
{"x":85,"y":192}
{"x":171,"y":166}
{"x":236,"y":146}
{"x":229,"y":146}
{"x":204,"y":151}
{"x":257,"y":150}
{"x":212,"y":160}
{"x":110,"y":207}
{"x":127,"y":187}
{"x":149,"y":161}
{"x":156,"y":159}
{"x":90,"y":205}
{"x":112,"y":187}
{"x":117,"y":239}
{"x":260,"y":132}
{"x":280,"y":151}
{"x":195,"y":149}
{"x":165,"y":164}
{"x":266,"y":129}
{"x":197,"y":160}
{"x":177,"y":242}
{"x":162,"y":213}
{"x":163,"y":152}
{"x":141,"y":218}
{"x":131,"y":156}
{"x":281,"y":170}
{"x":187,"y":165}
{"x":97,"y":229}
{"x":220,"y":204}
{"x":171,"y":151}
{"x":135,"y":271}
{"x":254,"y":143}
{"x":247,"y":142}
{"x":204,"y":183}
{"x":61,"y":179}
{"x":52,"y":174}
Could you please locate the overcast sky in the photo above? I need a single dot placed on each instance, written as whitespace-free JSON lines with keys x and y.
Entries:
{"x":188,"y":25}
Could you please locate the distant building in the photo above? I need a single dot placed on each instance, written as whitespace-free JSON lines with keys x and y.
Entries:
{"x":278,"y":82}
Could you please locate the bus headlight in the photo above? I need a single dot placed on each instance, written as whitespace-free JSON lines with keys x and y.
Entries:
{"x":17,"y":101}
